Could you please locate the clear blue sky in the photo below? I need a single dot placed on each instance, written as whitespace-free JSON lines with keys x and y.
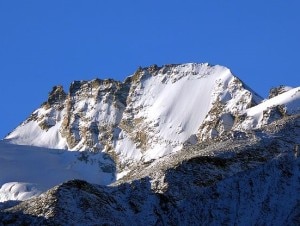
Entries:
{"x":45,"y":43}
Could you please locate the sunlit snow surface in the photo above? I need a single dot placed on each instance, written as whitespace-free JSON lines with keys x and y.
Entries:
{"x":289,"y":100}
{"x":27,"y":171}
{"x":175,"y":106}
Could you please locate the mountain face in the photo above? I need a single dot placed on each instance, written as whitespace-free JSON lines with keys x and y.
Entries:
{"x":153,"y":113}
{"x":179,"y":145}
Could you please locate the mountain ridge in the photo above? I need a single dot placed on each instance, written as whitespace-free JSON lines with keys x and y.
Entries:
{"x":119,"y":96}
{"x":154,"y":138}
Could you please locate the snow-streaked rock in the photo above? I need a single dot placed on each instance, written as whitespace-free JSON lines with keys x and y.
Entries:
{"x":287,"y":103}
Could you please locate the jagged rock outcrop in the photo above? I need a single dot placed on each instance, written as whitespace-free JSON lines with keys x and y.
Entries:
{"x":275,"y":91}
{"x":93,"y":111}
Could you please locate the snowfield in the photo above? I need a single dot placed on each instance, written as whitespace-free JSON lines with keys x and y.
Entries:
{"x":27,"y":171}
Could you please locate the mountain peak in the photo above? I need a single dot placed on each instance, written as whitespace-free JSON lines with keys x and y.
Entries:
{"x":153,"y":113}
{"x":175,"y":70}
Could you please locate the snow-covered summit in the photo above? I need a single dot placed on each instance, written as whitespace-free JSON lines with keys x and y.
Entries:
{"x":152,"y":113}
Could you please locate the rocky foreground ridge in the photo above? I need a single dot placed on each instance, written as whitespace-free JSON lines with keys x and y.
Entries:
{"x":254,"y":180}
{"x":189,"y":144}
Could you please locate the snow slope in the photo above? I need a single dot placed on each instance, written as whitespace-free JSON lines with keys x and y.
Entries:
{"x":175,"y":106}
{"x":287,"y":103}
{"x":27,"y":171}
